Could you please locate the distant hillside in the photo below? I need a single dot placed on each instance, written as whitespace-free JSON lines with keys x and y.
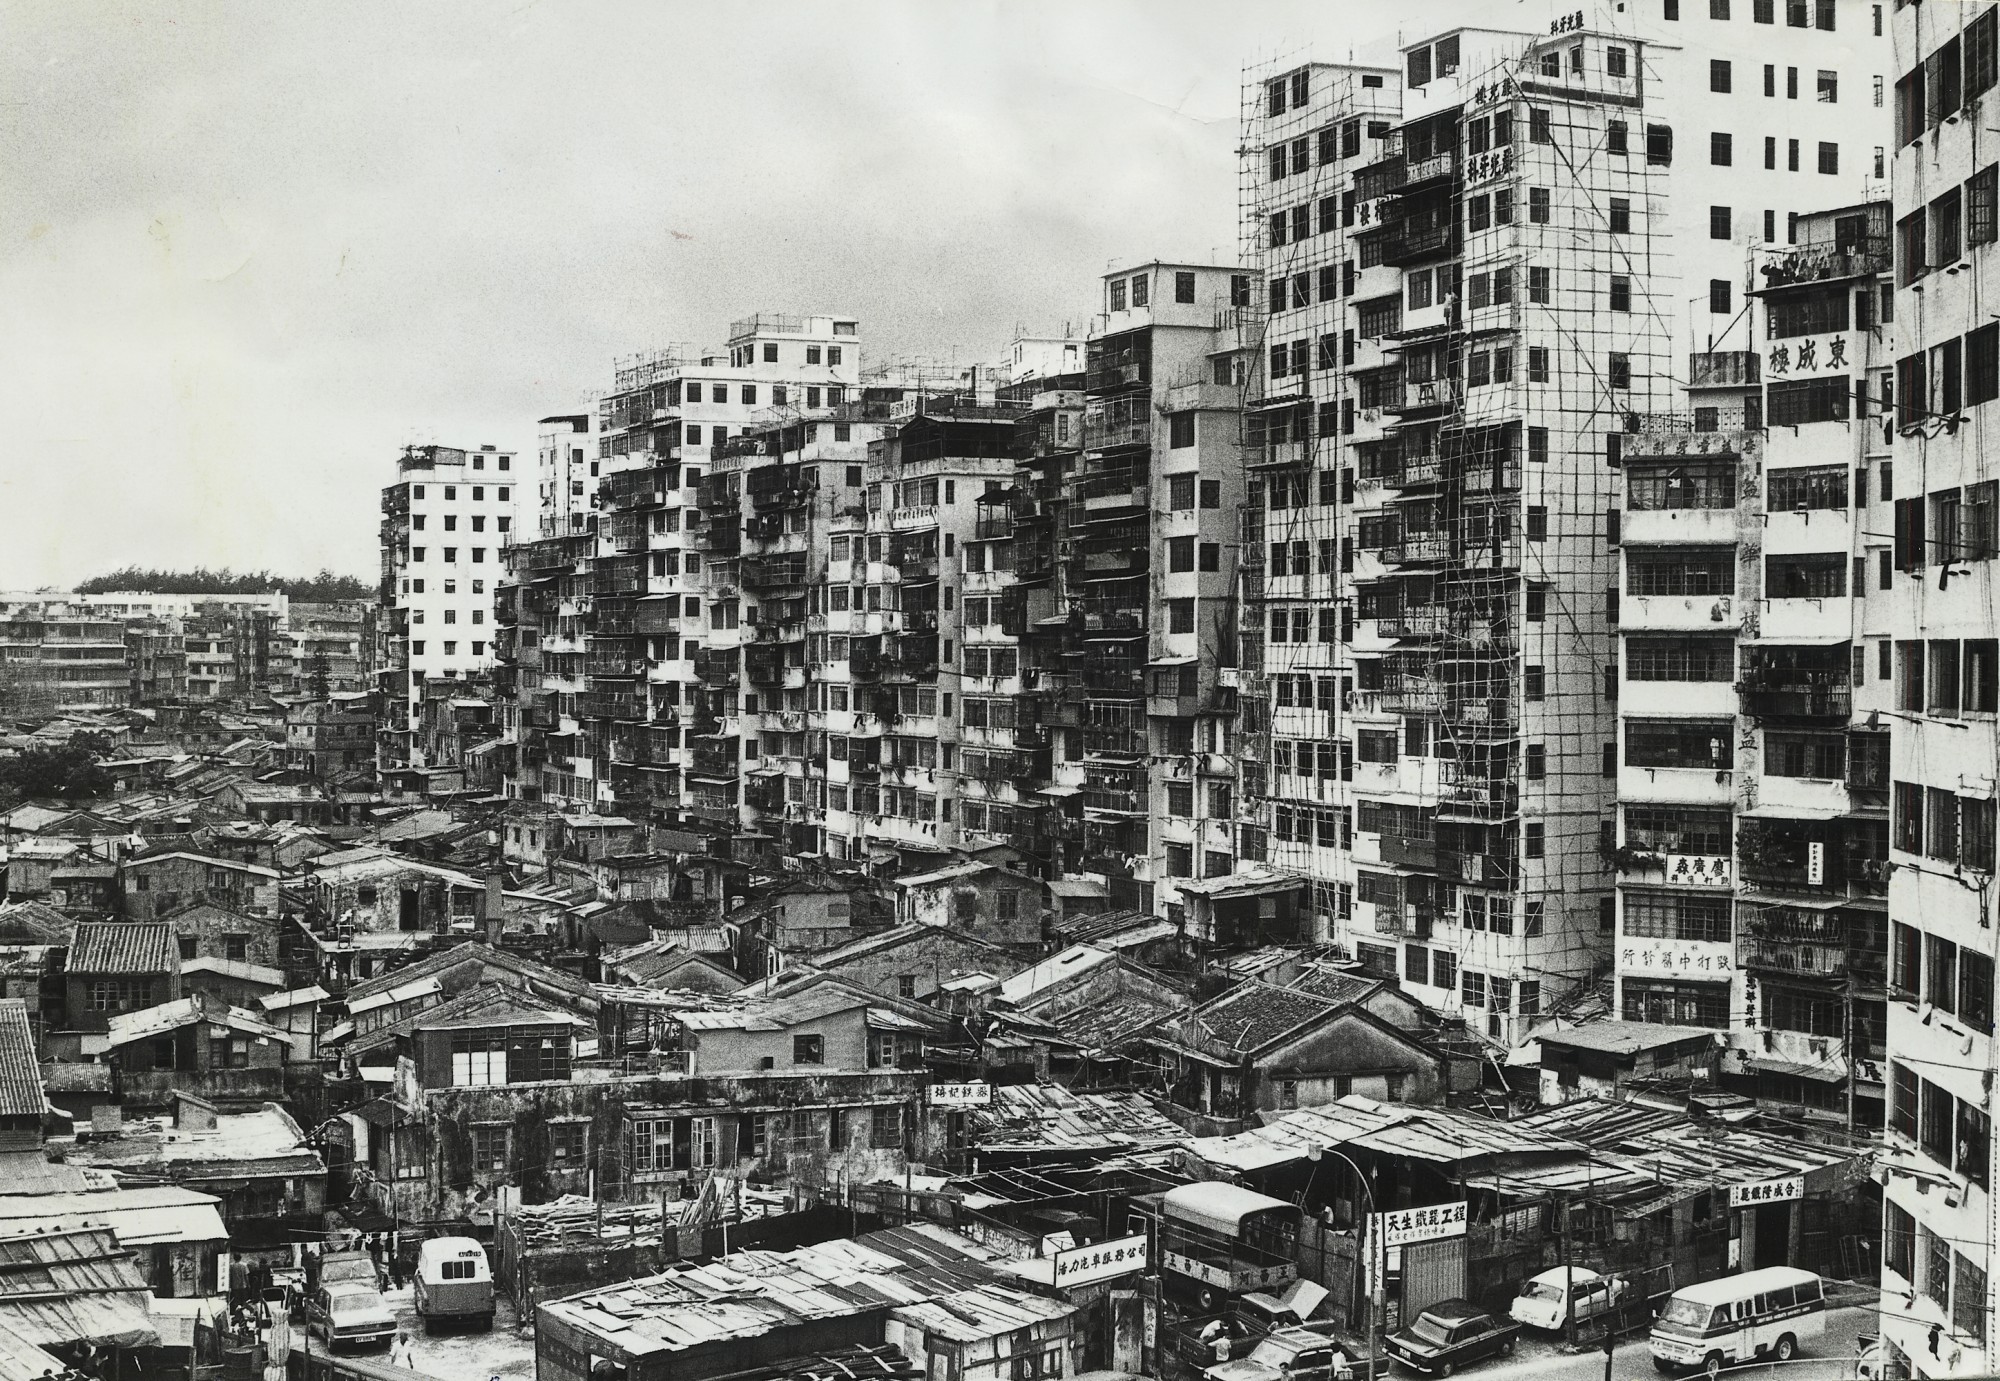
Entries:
{"x":326,"y":586}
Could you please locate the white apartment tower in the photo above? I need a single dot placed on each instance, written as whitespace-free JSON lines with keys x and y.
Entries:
{"x":1936,"y":495}
{"x":445,"y":523}
{"x":1753,"y":751}
{"x":1483,"y":270}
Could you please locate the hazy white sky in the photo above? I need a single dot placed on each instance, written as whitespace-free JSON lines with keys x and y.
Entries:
{"x":248,"y":250}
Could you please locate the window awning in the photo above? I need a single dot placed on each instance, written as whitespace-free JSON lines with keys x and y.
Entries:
{"x":1802,"y":640}
{"x":1059,"y":790}
{"x":1777,"y":812}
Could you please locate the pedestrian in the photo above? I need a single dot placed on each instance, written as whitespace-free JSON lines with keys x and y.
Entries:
{"x":403,"y":1353}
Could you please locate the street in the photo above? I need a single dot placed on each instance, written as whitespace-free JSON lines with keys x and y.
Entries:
{"x":465,"y":1354}
{"x":1830,"y":1358}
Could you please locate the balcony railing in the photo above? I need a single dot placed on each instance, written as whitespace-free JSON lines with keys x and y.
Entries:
{"x":1797,"y":702}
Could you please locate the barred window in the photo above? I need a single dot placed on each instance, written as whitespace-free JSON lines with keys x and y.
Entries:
{"x":1814,"y":487}
{"x":1699,"y":744}
{"x":1698,"y":484}
{"x":1676,"y":916}
{"x":1801,"y":401}
{"x":1680,"y":571}
{"x":1678,"y":829}
{"x":1706,"y":658}
{"x":1677,"y":1004}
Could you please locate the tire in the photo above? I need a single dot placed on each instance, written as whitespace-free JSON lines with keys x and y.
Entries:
{"x":1712,"y":1364}
{"x":1507,"y":1348}
{"x":1788,"y":1348}
{"x":1444,"y":1370}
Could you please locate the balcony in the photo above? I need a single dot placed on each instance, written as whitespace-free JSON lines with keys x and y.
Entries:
{"x":1410,"y":851}
{"x":722,"y":537}
{"x":610,"y":705}
{"x":776,"y":487}
{"x":1405,"y":246}
{"x":1425,"y":622}
{"x":716,"y":666}
{"x":716,"y":757}
{"x":1791,"y":268}
{"x":1813,"y":856}
{"x":1797,"y":703}
{"x":773,"y":572}
{"x":1831,"y":945}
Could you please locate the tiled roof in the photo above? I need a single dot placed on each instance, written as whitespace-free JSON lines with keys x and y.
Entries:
{"x":20,"y":1076}
{"x":1249,"y":1017}
{"x":1336,"y":985}
{"x":123,"y":947}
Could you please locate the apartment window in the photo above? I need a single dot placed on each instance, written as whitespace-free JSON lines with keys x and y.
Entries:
{"x":1620,"y":371}
{"x":808,"y":1050}
{"x":1620,"y":215}
{"x":1718,"y":74}
{"x":1538,"y":365}
{"x":1615,"y":61}
{"x":1827,"y":88}
{"x":1538,"y":126}
{"x":1718,"y":222}
{"x":1139,"y":281}
{"x":1719,"y":296}
{"x":1659,"y":145}
{"x":1538,"y":285}
{"x":1534,"y":837}
{"x":1621,"y":293}
{"x":1829,"y":157}
{"x":1617,"y":138}
{"x":1721,"y":149}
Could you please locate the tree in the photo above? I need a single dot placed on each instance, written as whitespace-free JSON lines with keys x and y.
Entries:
{"x":324,"y":588}
{"x":66,"y":771}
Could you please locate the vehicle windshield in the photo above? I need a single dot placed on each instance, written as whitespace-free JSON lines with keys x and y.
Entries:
{"x":1430,"y":1330}
{"x":1540,"y":1289}
{"x":1272,"y":1354}
{"x":1686,"y":1313}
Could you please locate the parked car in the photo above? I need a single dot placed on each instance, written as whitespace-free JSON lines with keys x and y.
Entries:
{"x":1449,"y":1334}
{"x":1304,"y":1352}
{"x":350,"y":1313}
{"x":1544,"y":1303}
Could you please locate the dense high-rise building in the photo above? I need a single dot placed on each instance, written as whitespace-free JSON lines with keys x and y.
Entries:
{"x":1933,"y":540}
{"x":445,"y":524}
{"x":609,"y":622}
{"x":1482,"y":270}
{"x":1752,"y":752}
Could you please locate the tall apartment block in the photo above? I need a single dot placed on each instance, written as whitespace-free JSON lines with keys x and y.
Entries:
{"x":566,"y":466}
{"x":1135,"y":658}
{"x":445,"y":523}
{"x":609,"y":626}
{"x":1753,"y":749}
{"x":1935,"y":650}
{"x":1481,"y":273}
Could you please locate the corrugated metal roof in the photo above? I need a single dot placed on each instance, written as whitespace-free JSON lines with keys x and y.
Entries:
{"x":986,"y":1312}
{"x":1440,"y":1135}
{"x":20,"y":1076}
{"x":753,"y":1292}
{"x":70,"y":1283}
{"x":1051,"y":1117}
{"x":123,"y":947}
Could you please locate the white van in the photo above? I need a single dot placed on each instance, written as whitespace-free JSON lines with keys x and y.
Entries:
{"x":1739,"y":1318}
{"x":454,"y":1282}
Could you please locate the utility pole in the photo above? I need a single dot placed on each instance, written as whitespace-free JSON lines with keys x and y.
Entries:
{"x":1569,"y":1278}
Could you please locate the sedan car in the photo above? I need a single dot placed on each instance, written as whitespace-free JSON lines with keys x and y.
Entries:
{"x":350,"y":1313}
{"x":1310,"y":1352}
{"x":1449,"y":1334}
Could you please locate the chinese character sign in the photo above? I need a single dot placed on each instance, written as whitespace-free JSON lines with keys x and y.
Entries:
{"x":976,"y":1095}
{"x":1697,"y":957}
{"x":1401,"y":1226}
{"x":1100,"y":1261}
{"x":1767,"y":1192}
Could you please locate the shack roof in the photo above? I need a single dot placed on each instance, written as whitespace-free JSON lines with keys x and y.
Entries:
{"x":1057,"y":968}
{"x":1049,"y":1117}
{"x":71,"y":1283}
{"x":123,"y":947}
{"x":20,"y":1077}
{"x":1440,"y":1135}
{"x":752,"y":1293}
{"x":1628,"y":1037}
{"x":149,"y":1022}
{"x":986,"y":1311}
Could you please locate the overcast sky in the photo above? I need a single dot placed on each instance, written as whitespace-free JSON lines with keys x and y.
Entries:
{"x":248,"y":250}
